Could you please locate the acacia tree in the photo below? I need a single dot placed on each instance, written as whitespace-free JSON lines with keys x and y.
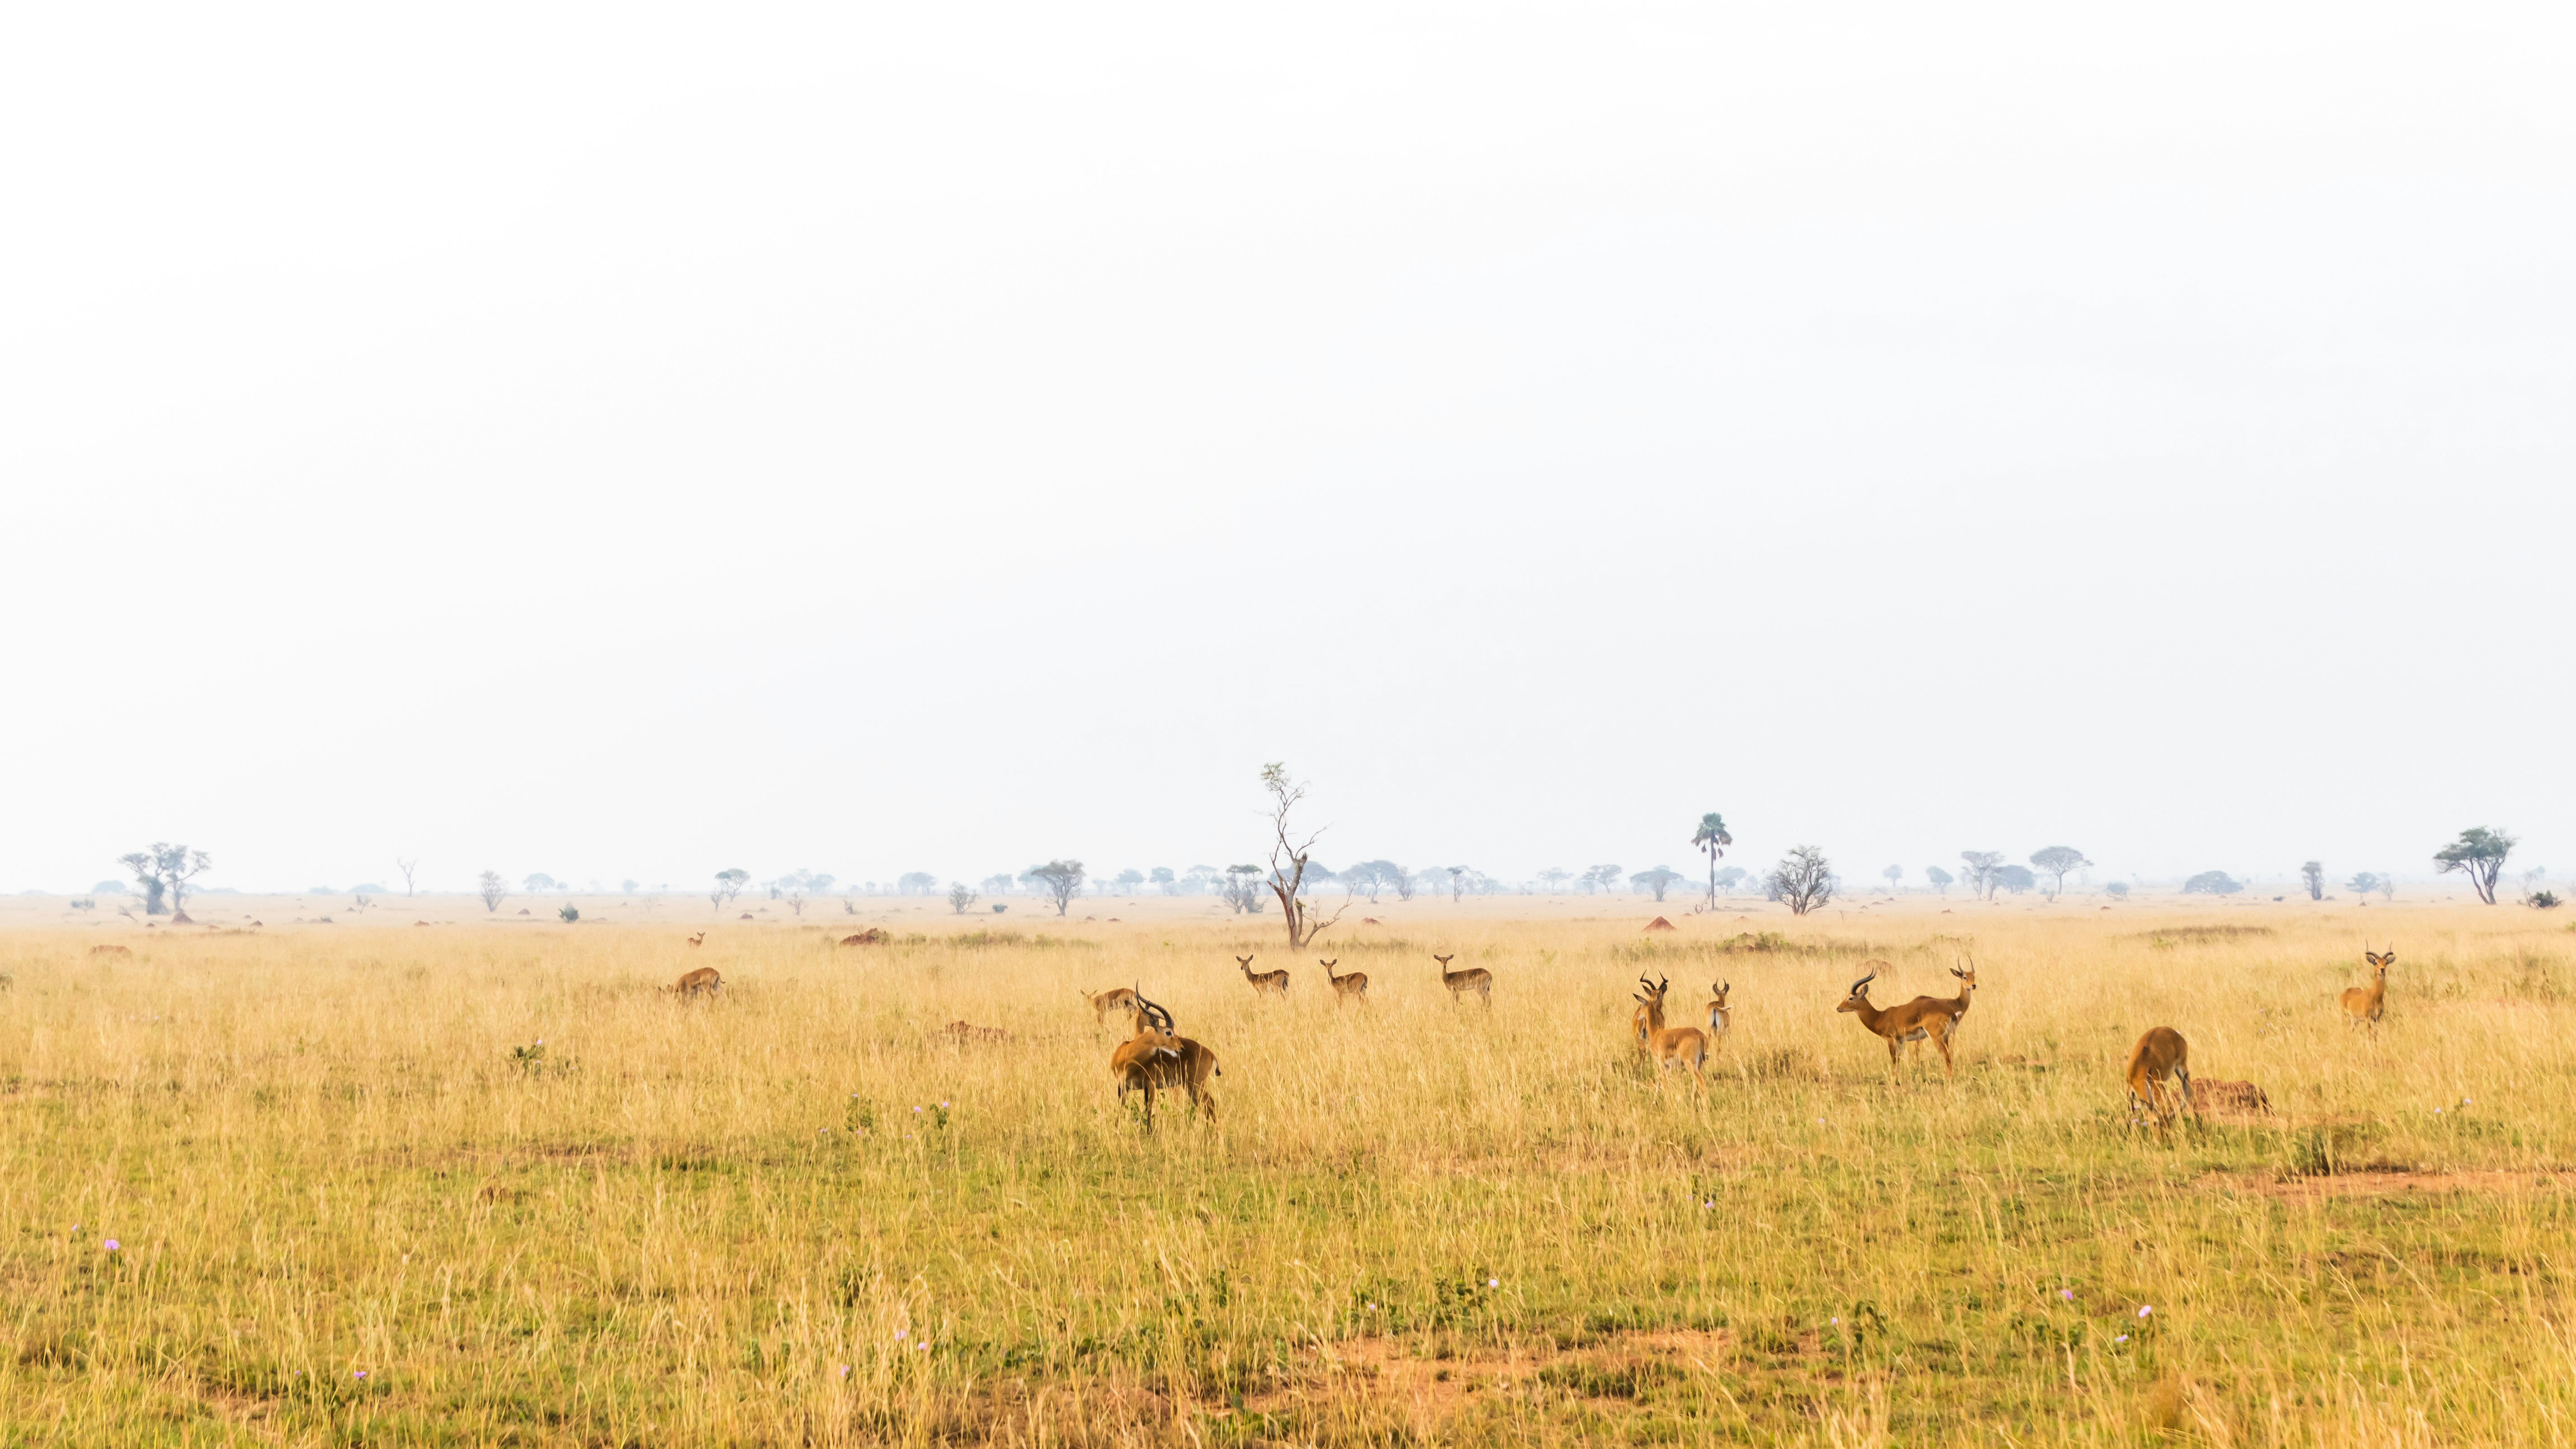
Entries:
{"x":1458,"y":876}
{"x":2362,"y":884}
{"x":2479,"y":853}
{"x":1555,"y":877}
{"x":1658,"y":880}
{"x":1712,"y":838}
{"x":492,"y":889}
{"x":1894,"y":873}
{"x":1288,"y":858}
{"x":2314,"y":873}
{"x":729,"y":884}
{"x":2057,"y":860}
{"x":1982,"y":865}
{"x":960,"y":896}
{"x":1060,"y":880}
{"x":407,"y":867}
{"x":1803,"y":878}
{"x":164,"y":872}
{"x":1939,"y":878}
{"x":1241,"y":889}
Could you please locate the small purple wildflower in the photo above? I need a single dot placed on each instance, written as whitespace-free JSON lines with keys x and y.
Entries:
{"x":845,"y":1370}
{"x":1493,"y":1282}
{"x":111,"y":1245}
{"x":2123,"y":1338}
{"x":2145,"y":1308}
{"x":2066,"y":1293}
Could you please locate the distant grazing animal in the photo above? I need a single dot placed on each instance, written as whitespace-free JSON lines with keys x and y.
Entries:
{"x":1475,"y":978}
{"x":416,"y":923}
{"x":968,"y":1031}
{"x":2160,"y":1054}
{"x":2362,"y":1005}
{"x":110,"y":951}
{"x":872,"y":936}
{"x":699,"y":939}
{"x":1265,"y":983}
{"x":706,"y":980}
{"x":1923,"y":1017}
{"x":1371,"y":921}
{"x":2231,"y":1097}
{"x":1105,"y":1002}
{"x":1685,"y":1046}
{"x":1353,"y":987}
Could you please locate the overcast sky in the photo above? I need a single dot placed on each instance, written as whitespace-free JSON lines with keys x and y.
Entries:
{"x":630,"y":441}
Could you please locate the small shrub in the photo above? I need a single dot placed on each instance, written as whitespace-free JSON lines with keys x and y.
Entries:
{"x":2544,"y":900}
{"x":529,"y":1059}
{"x":569,"y":914}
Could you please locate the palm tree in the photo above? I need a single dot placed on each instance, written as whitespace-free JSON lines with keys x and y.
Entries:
{"x":1712,"y":837}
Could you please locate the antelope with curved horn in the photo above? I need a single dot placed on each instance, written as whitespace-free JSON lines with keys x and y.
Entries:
{"x":2362,"y":1005}
{"x":1353,"y":987}
{"x":2160,"y":1054}
{"x":697,"y":940}
{"x":1157,"y":1059}
{"x":1923,"y":1017}
{"x":705,"y":980}
{"x":1264,"y":983}
{"x":1102,"y":1003}
{"x":1674,"y":1046}
{"x":1719,"y":1018}
{"x":1475,"y":978}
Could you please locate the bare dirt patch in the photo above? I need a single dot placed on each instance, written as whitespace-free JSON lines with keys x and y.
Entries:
{"x":2392,"y":1183}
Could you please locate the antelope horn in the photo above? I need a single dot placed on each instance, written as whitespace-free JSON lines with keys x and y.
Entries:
{"x":1864,"y":981}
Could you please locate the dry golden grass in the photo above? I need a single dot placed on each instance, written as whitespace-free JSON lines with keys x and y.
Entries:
{"x":803,"y":1212}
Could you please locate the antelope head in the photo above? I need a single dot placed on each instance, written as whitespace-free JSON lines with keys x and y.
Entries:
{"x":1721,"y":989}
{"x":2379,"y":963}
{"x":1858,"y":1000}
{"x":1245,"y":962}
{"x":1969,"y":976}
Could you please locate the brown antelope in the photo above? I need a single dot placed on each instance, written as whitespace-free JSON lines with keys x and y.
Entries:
{"x":1475,"y":978}
{"x":1156,"y":1059}
{"x":1105,"y":1002}
{"x":699,"y":939}
{"x":1674,"y":1046}
{"x":1719,"y":1018}
{"x":1264,"y":983}
{"x":706,"y":980}
{"x":1353,"y":987}
{"x":2363,"y":1004}
{"x":110,"y":951}
{"x":1923,"y":1017}
{"x":2160,"y":1054}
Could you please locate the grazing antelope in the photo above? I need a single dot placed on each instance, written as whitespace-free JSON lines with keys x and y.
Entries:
{"x":2160,"y":1054}
{"x":965,"y":1031}
{"x":110,"y":951}
{"x":1681,"y":1045}
{"x":1353,"y":987}
{"x":1156,"y":1059}
{"x":1923,"y":1017}
{"x":1105,"y":1002}
{"x":1719,"y":1018}
{"x":2362,"y":1005}
{"x":1265,"y":983}
{"x":699,"y":939}
{"x":1475,"y":978}
{"x":706,"y":979}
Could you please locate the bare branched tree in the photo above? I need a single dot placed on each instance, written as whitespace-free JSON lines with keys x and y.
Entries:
{"x":492,"y":889}
{"x":407,"y":867}
{"x":1803,"y":878}
{"x":1288,"y":859}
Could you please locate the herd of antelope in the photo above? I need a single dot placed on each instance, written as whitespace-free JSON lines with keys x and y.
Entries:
{"x":1156,"y":1058}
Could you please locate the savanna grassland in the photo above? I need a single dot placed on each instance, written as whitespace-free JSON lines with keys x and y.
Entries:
{"x":480,"y":1183}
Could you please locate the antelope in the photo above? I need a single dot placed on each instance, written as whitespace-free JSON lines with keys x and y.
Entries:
{"x":1266,"y":983}
{"x":1155,"y":1059}
{"x":1475,"y":978}
{"x":1719,"y":1018}
{"x":2161,"y":1053}
{"x":1105,"y":1002}
{"x":705,"y":979}
{"x":699,"y":939}
{"x":1683,"y":1045}
{"x":2363,"y":1004}
{"x":110,"y":951}
{"x":1924,"y":1016}
{"x":1353,"y":987}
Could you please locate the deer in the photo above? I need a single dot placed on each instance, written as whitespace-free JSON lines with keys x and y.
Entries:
{"x":1475,"y":978}
{"x":1681,"y":1045}
{"x":1264,"y":983}
{"x":1353,"y":987}
{"x":1105,"y":1002}
{"x":705,"y":980}
{"x":2160,"y":1054}
{"x":1924,"y":1016}
{"x":2362,"y":1005}
{"x":699,"y":939}
{"x":1156,"y":1059}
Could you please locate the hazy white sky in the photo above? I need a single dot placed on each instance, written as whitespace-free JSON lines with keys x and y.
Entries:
{"x":637,"y":440}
